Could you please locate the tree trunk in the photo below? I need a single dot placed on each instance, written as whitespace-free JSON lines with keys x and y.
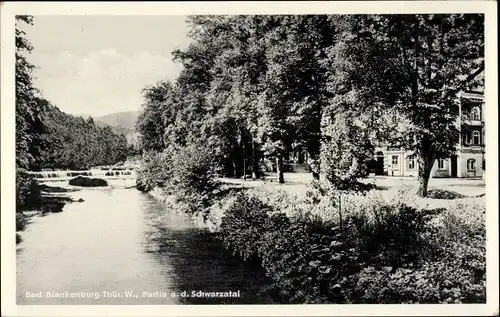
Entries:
{"x":315,"y":169}
{"x":279,"y":169}
{"x":255,"y":162}
{"x":244,"y":161}
{"x":313,"y":160}
{"x":229,"y":168}
{"x":315,"y":175}
{"x":424,"y":171}
{"x":235,"y":168}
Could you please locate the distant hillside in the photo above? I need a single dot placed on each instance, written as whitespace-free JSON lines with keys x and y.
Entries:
{"x":75,"y":142}
{"x":120,"y":122}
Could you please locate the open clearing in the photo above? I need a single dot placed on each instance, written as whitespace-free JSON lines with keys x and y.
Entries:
{"x":298,"y":183}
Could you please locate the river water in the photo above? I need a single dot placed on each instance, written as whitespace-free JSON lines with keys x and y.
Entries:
{"x":121,"y":246}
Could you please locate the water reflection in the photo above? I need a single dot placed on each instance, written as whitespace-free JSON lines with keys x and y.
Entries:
{"x":122,"y":244}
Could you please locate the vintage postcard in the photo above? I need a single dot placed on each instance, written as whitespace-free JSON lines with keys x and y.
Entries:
{"x":249,"y":158}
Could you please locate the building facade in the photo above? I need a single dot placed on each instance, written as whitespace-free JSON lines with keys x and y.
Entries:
{"x":468,"y":161}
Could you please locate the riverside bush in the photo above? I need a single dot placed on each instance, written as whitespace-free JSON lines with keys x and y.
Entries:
{"x":191,"y":179}
{"x":186,"y":173}
{"x":21,"y":221}
{"x":377,"y":251}
{"x":243,"y":224}
{"x":28,"y":194}
{"x":297,"y":254}
{"x":155,"y":169}
{"x":28,"y":197}
{"x":192,"y":175}
{"x":439,"y":281}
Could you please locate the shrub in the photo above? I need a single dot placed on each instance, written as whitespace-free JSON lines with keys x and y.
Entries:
{"x":243,"y":225}
{"x":192,"y":178}
{"x":381,"y":252}
{"x":21,"y":221}
{"x":307,"y":258}
{"x":433,"y":282}
{"x":28,"y":194}
{"x":345,"y":152}
{"x":463,"y":220}
{"x":193,"y":171}
{"x":453,"y":271}
{"x":155,"y":169}
{"x":186,"y":173}
{"x":28,"y":197}
{"x":444,"y":194}
{"x":218,"y":210}
{"x":389,"y":235}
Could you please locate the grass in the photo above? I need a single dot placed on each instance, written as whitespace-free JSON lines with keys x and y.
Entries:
{"x":443,"y":192}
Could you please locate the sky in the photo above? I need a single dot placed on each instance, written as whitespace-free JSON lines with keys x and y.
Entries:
{"x":97,"y":65}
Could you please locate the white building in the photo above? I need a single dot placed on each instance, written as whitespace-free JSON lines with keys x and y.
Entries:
{"x":468,"y":162}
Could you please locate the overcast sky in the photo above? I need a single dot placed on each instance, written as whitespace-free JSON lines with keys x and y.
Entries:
{"x":98,"y":65}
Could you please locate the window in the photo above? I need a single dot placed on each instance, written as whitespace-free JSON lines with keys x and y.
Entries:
{"x":411,"y":162}
{"x":467,"y":137}
{"x":472,"y":137}
{"x":441,"y":164}
{"x":475,"y":113}
{"x":471,"y":164}
{"x":394,"y":160}
{"x":476,"y":139}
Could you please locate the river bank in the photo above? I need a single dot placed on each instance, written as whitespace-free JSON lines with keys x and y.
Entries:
{"x":120,"y":240}
{"x":362,"y":251}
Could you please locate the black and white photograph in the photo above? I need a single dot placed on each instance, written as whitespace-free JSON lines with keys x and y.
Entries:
{"x":219,"y":159}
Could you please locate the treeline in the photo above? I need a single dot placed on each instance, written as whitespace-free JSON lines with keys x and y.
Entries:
{"x":70,"y":142}
{"x":249,"y":88}
{"x":331,"y":86}
{"x":49,"y":138}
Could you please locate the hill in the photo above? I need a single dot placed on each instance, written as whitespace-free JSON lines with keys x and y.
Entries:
{"x":75,"y":142}
{"x":120,"y":122}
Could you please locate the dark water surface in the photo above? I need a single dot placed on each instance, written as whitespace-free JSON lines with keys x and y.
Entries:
{"x":121,"y":246}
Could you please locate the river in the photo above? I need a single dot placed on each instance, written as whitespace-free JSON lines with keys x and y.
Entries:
{"x":121,"y":246}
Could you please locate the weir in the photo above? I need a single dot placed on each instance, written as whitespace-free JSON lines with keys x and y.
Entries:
{"x":61,"y":175}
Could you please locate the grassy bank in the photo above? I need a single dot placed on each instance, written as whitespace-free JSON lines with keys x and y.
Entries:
{"x":320,"y":245}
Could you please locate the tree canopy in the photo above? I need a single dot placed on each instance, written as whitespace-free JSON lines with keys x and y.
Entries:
{"x":259,"y":86}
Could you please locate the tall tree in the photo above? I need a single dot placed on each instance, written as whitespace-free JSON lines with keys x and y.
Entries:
{"x":27,"y":112}
{"x":236,"y":79}
{"x":346,"y":149}
{"x":157,"y":114}
{"x":415,"y":65}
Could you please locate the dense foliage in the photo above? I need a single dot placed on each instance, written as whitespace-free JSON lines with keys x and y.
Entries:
{"x":412,"y":66}
{"x":185,"y":174}
{"x":254,"y":86}
{"x":28,"y":126}
{"x":237,"y":91}
{"x":28,"y":196}
{"x":27,"y":110}
{"x":75,"y":143}
{"x":378,"y":253}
